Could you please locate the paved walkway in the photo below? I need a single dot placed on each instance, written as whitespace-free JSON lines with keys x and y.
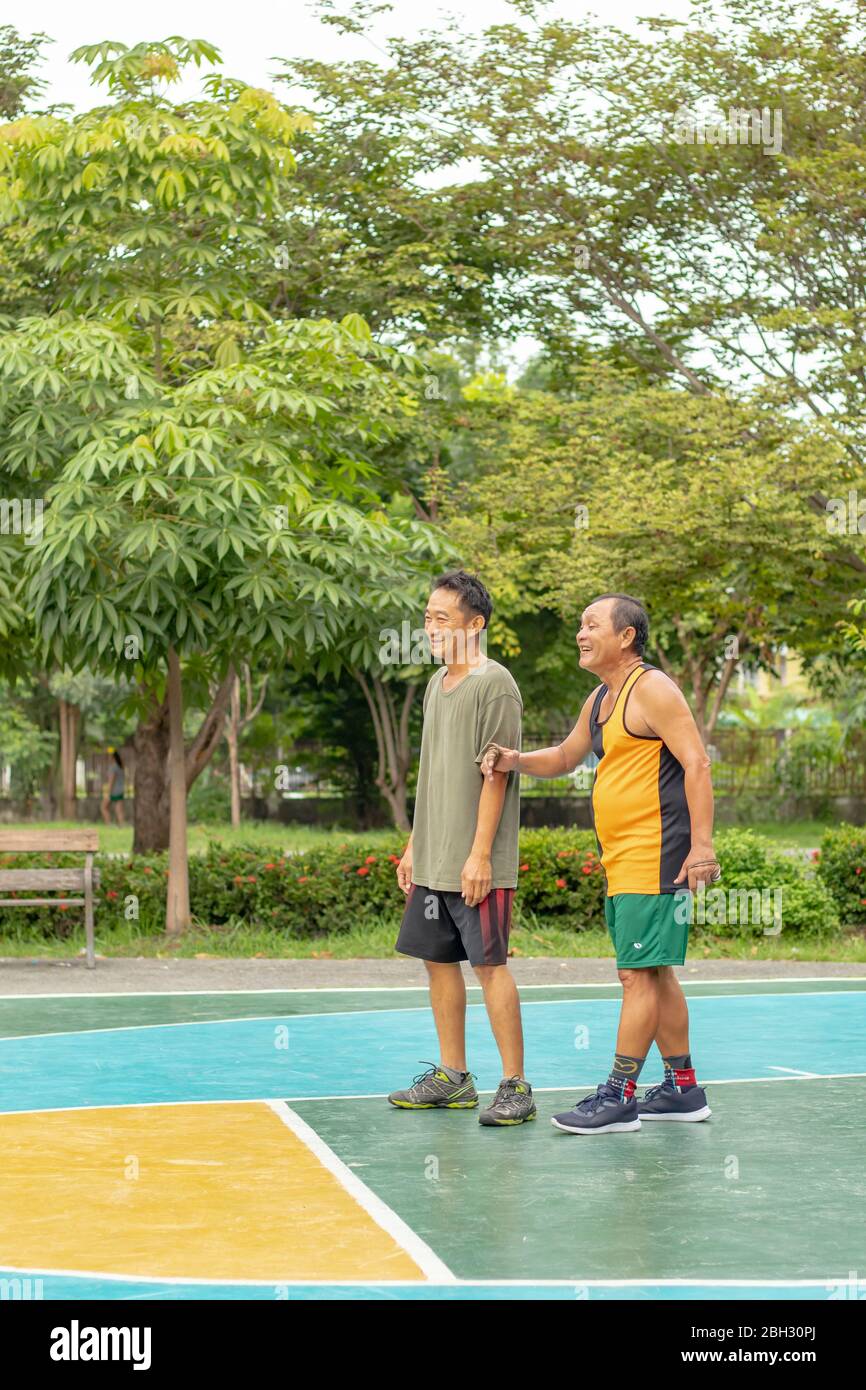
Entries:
{"x":159,"y":976}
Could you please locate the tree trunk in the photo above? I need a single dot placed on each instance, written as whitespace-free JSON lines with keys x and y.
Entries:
{"x":70,"y":724}
{"x":392,"y":742}
{"x":209,"y":736}
{"x":237,"y":720}
{"x":151,"y":743}
{"x":396,"y":798}
{"x":232,"y":732}
{"x":730,"y":666}
{"x":177,"y":914}
{"x":151,"y":809}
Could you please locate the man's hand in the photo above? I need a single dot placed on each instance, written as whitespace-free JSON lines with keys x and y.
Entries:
{"x":499,"y":759}
{"x":404,"y":870}
{"x":476,"y":879}
{"x":701,"y":866}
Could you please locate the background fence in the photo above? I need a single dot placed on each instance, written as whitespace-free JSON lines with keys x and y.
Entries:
{"x":778,"y":764}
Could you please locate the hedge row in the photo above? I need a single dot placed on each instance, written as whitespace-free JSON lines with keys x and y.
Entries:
{"x":841,"y":867}
{"x":340,"y":885}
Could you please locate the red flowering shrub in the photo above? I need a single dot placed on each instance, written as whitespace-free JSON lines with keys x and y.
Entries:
{"x":338,"y":885}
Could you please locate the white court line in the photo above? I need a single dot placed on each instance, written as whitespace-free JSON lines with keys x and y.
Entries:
{"x":588,"y":1085}
{"x":364,"y":1013}
{"x":426,"y":1259}
{"x":382,"y":1095}
{"x":164,"y":1104}
{"x":412,"y":989}
{"x":794,"y":1071}
{"x":825,"y":1282}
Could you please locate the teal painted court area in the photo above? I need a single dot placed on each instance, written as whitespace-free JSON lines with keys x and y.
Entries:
{"x":137,"y":1290}
{"x":746,"y":1205}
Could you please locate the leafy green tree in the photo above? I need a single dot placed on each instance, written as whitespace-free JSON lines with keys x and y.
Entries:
{"x":627,"y":210}
{"x":699,"y":507}
{"x":19,"y":84}
{"x":25,"y":747}
{"x":336,"y":738}
{"x":202,"y":505}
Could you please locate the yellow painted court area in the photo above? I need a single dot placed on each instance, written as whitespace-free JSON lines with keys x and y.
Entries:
{"x":182,"y":1191}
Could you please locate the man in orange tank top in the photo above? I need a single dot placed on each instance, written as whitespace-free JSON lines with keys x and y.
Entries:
{"x":652,"y":805}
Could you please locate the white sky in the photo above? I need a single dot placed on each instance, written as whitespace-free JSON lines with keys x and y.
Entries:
{"x":250,"y":33}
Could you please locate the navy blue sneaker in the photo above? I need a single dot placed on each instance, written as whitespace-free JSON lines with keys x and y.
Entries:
{"x":603,"y":1113}
{"x":665,"y":1102}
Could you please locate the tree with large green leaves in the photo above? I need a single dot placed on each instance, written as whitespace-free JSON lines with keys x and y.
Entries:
{"x":207,"y":488}
{"x":213,"y":521}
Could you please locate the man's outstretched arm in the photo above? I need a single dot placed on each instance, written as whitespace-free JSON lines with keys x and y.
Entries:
{"x":544,"y":762}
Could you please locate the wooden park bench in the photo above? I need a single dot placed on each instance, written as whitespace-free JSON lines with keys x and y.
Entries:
{"x":54,"y":842}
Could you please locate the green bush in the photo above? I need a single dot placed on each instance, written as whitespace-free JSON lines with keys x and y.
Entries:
{"x":560,"y":875}
{"x":335,"y":887}
{"x":808,"y":906}
{"x":743,"y":855}
{"x":841,"y":868}
{"x":750,"y":863}
{"x":320,"y":890}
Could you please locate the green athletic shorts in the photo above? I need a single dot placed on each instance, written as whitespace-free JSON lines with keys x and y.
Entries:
{"x":648,"y":929}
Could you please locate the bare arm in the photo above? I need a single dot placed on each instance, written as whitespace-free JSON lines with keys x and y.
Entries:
{"x":663,"y":707}
{"x":477,"y":876}
{"x":544,"y":762}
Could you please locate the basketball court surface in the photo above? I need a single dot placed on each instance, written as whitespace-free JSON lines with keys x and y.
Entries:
{"x":238,"y":1145}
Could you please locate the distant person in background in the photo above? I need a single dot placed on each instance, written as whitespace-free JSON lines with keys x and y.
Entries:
{"x":114,"y":792}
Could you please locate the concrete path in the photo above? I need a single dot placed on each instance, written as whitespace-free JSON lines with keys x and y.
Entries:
{"x":159,"y":976}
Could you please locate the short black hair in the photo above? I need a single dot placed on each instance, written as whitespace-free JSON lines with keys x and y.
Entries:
{"x":474,"y":598}
{"x":629,"y":612}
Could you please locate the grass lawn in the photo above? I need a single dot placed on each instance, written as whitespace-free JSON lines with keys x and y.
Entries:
{"x":795,"y":834}
{"x":376,"y":940}
{"x":116,"y":839}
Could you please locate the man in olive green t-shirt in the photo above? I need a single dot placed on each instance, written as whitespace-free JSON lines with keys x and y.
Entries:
{"x":459,"y":870}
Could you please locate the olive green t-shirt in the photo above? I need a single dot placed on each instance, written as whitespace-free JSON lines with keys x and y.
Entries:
{"x":485,"y":707}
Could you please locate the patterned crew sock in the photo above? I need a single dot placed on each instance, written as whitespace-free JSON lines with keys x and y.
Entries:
{"x":679,"y":1072}
{"x":624,"y":1074}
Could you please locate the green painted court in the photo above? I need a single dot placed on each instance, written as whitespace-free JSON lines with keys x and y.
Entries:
{"x":239,"y":1145}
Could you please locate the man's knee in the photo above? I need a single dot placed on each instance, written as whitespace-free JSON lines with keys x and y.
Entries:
{"x":633,"y":981}
{"x":486,"y":973}
{"x":441,"y":967}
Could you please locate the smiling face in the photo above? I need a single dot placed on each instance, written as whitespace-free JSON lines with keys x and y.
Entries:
{"x":452,"y":631}
{"x":600,"y":646}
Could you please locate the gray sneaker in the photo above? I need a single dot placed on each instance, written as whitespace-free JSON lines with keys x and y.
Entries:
{"x":434,"y":1090}
{"x":512,"y":1104}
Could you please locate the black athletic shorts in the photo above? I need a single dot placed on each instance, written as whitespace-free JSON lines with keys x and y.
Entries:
{"x":438,"y":926}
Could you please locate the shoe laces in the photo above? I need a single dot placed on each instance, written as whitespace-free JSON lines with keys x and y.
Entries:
{"x":432,"y":1068}
{"x":602,"y":1093}
{"x":507,"y":1089}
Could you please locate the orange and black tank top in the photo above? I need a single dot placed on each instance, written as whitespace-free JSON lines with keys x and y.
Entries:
{"x":639,"y":808}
